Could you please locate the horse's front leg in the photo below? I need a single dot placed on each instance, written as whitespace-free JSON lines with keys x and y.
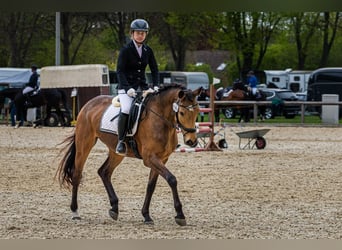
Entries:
{"x":152,"y":181}
{"x":172,"y":181}
{"x":158,"y":166}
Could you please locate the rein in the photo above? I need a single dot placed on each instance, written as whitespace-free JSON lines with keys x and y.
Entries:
{"x":176,"y":106}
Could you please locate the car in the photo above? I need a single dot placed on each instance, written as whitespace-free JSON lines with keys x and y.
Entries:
{"x":275,"y":109}
{"x":278,"y":96}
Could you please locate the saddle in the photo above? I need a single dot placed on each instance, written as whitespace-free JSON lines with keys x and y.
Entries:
{"x":135,"y":112}
{"x":222,"y":92}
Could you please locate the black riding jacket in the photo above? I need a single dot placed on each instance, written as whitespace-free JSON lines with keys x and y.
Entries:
{"x":33,"y":81}
{"x":131,"y":68}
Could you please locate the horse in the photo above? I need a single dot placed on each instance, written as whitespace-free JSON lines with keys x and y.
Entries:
{"x":50,"y":98}
{"x":238,"y":94}
{"x":173,"y":108}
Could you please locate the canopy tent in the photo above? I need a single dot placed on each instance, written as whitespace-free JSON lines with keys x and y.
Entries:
{"x":15,"y":77}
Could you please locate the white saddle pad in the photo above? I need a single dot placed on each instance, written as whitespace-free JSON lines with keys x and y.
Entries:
{"x":109,"y":121}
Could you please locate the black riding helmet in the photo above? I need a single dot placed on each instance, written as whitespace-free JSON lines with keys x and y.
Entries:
{"x":139,"y":25}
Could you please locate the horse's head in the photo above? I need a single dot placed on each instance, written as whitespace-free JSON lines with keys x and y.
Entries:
{"x":187,"y":110}
{"x":236,"y":95}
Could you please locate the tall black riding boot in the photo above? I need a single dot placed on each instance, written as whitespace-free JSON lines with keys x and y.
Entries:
{"x":122,"y":130}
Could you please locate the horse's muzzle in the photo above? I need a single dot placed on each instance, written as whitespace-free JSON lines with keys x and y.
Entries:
{"x":192,"y":143}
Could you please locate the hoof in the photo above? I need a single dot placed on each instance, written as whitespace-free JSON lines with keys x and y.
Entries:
{"x":113,"y":214}
{"x":149,"y":222}
{"x":75,"y":216}
{"x":180,"y":222}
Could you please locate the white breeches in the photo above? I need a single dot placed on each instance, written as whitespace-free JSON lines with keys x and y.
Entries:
{"x":125,"y":101}
{"x":27,"y":89}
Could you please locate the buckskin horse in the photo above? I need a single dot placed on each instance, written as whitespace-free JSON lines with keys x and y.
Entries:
{"x":164,"y":112}
{"x":50,"y":98}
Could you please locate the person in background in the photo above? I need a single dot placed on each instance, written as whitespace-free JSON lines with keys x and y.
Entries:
{"x":252,"y":82}
{"x":32,"y":84}
{"x":132,"y":62}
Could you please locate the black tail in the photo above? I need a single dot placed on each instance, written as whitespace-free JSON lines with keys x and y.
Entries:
{"x":67,"y":165}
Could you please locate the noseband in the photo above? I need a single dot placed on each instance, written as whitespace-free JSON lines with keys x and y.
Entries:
{"x":189,"y":108}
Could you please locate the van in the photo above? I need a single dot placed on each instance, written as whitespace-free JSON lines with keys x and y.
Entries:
{"x":191,"y":80}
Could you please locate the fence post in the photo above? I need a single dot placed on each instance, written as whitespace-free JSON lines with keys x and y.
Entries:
{"x":330,"y":113}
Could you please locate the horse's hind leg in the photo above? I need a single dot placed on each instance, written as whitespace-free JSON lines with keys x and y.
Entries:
{"x":149,"y":192}
{"x":83,"y":149}
{"x":105,"y":172}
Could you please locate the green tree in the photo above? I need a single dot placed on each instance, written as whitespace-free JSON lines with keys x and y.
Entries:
{"x":250,"y":34}
{"x":18,"y":31}
{"x":330,"y":24}
{"x":185,"y":31}
{"x":304,"y":26}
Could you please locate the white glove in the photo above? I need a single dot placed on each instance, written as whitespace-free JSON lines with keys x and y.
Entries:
{"x":147,"y":91}
{"x":156,"y":89}
{"x":131,"y":92}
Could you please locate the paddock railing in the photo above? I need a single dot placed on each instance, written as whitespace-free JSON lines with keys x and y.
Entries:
{"x":302,"y":104}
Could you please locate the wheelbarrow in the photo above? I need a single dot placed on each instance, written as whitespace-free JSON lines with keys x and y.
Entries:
{"x":254,"y":139}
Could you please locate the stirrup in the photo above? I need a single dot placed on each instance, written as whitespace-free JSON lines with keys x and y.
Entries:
{"x":121,"y":148}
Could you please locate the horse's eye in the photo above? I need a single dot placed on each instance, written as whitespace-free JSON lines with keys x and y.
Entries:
{"x":181,"y":113}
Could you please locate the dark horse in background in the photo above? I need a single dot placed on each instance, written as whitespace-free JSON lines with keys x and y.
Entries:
{"x":49,"y":98}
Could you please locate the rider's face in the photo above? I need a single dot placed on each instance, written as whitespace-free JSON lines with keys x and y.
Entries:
{"x":139,"y":36}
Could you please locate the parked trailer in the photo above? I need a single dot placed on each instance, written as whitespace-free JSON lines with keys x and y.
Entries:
{"x":296,"y":80}
{"x":325,"y":81}
{"x":80,"y":82}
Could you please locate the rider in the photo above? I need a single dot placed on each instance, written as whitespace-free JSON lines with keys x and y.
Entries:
{"x":238,"y":84}
{"x":32,"y":84}
{"x":132,"y":62}
{"x":252,"y":82}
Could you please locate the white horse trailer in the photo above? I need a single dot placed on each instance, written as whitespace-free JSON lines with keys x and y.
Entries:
{"x":80,"y":82}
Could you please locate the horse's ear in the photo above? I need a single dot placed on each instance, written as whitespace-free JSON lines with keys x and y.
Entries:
{"x":181,"y":94}
{"x":198,"y":91}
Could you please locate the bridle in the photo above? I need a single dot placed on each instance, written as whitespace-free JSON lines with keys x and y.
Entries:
{"x":178,"y":124}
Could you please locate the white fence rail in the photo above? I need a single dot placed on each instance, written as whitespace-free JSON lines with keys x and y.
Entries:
{"x":302,"y":104}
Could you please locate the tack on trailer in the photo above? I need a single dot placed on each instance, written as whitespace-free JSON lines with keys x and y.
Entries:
{"x":279,"y":78}
{"x":80,"y":82}
{"x":299,"y":80}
